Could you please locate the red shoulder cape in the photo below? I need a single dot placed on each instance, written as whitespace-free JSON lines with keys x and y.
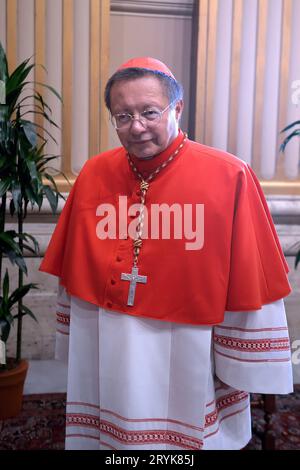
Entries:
{"x":240,"y":266}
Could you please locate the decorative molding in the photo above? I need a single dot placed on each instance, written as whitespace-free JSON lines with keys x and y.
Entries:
{"x":289,"y":236}
{"x":153,"y":7}
{"x":285,"y":209}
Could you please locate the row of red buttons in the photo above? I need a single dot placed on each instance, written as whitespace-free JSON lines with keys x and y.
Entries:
{"x":119,"y":259}
{"x":113,"y":282}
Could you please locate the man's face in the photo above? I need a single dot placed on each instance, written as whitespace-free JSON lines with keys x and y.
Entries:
{"x":138,"y":95}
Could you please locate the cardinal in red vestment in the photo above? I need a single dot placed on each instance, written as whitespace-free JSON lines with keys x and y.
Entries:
{"x":165,"y":236}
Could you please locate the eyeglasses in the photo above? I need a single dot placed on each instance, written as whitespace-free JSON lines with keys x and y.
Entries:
{"x":149,"y":117}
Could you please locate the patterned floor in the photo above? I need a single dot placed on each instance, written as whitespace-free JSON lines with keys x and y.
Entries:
{"x":42,"y":421}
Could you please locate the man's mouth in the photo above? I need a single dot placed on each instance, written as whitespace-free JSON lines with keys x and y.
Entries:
{"x":140,"y":142}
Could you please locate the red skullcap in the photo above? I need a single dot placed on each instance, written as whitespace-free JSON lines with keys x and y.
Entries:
{"x":147,"y":63}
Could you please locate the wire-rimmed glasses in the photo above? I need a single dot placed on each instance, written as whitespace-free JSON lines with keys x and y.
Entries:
{"x":150,"y":117}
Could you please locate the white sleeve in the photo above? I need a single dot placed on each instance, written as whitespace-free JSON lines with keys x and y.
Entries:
{"x":252,"y":350}
{"x":62,"y":325}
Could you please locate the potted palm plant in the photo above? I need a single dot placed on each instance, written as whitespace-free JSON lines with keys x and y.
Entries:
{"x":25,"y":180}
{"x":294,"y":131}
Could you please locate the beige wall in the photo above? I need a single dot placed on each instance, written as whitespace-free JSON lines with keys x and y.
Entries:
{"x":163,"y":31}
{"x":69,"y":38}
{"x":242,"y":70}
{"x":247,"y":86}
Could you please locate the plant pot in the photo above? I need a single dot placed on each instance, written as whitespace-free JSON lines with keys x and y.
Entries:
{"x":11,"y":390}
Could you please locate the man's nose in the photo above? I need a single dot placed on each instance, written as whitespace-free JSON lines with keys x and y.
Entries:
{"x":136,"y":126}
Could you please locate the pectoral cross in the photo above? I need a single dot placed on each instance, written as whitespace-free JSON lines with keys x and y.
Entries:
{"x":134,"y":277}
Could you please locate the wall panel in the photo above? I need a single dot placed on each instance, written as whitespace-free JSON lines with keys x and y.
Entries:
{"x":58,"y":35}
{"x":251,"y":63}
{"x":157,"y":29}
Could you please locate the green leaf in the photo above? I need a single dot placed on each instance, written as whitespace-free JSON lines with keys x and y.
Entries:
{"x":40,"y":200}
{"x":5,"y":289}
{"x":39,"y":97}
{"x":5,"y":328}
{"x":51,"y":89}
{"x":32,"y":169}
{"x":12,"y":207}
{"x":2,"y":92}
{"x":4,"y":186}
{"x":67,"y":179}
{"x":27,"y":236}
{"x":52,"y":180}
{"x":28,"y":248}
{"x":14,"y":95}
{"x":293,"y":124}
{"x":288,"y":138}
{"x":7,"y":241}
{"x":30,"y":132}
{"x":11,"y":248}
{"x":3,"y":65}
{"x":30,"y":196}
{"x":27,"y":311}
{"x":43,"y":129}
{"x":17,"y":78}
{"x":16,"y":194}
{"x":19,"y":293}
{"x":297,"y":259}
{"x":52,"y":198}
{"x":43,"y":114}
{"x":41,"y":166}
{"x":18,"y":260}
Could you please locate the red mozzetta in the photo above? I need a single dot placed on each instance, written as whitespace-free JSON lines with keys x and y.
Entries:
{"x":239,"y":267}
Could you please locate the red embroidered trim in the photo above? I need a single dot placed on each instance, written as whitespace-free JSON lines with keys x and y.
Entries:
{"x":225,"y":417}
{"x":80,"y":419}
{"x":63,"y":318}
{"x":224,"y":402}
{"x":253,"y":345}
{"x":153,"y":436}
{"x":156,"y":436}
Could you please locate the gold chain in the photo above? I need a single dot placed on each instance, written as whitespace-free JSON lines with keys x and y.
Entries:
{"x":144,"y":186}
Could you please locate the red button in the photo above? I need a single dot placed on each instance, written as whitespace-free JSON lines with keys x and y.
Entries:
{"x":113,"y":282}
{"x":138,"y":192}
{"x":119,"y":259}
{"x":109,"y":304}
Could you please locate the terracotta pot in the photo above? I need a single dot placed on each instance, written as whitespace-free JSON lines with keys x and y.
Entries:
{"x":11,"y":390}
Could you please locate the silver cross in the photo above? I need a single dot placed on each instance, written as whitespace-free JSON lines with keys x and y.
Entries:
{"x":134,"y":277}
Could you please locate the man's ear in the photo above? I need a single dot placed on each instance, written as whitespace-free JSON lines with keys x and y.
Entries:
{"x":178,"y":109}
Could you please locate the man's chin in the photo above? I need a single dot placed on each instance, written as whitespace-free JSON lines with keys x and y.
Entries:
{"x":144,"y":156}
{"x":144,"y":152}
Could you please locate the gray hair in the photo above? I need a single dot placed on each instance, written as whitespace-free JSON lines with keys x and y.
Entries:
{"x":173,"y":88}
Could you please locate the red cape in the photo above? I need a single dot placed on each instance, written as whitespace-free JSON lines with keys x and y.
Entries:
{"x":240,"y":267}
